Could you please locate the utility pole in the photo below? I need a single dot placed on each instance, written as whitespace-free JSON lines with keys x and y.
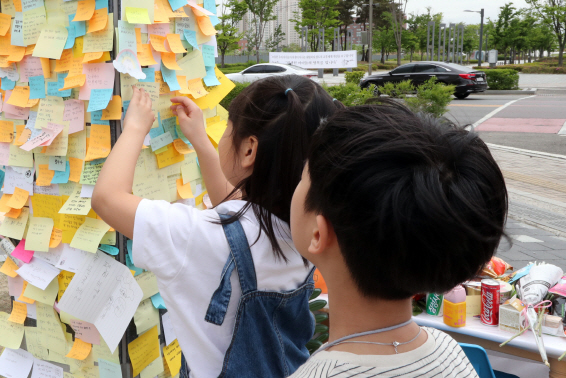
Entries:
{"x":481,"y":36}
{"x":370,"y":35}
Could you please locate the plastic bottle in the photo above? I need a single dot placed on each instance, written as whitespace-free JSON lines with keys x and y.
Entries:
{"x":455,"y":307}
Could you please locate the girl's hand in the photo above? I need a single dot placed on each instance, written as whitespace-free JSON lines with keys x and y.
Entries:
{"x":139,"y":116}
{"x":191,"y":121}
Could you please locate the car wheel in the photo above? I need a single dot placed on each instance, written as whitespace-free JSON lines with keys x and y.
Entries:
{"x":461,"y":96}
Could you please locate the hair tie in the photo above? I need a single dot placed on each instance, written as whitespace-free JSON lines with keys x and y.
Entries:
{"x":287,"y":90}
{"x":333,"y":99}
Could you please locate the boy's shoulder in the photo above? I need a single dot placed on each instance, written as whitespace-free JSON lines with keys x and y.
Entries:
{"x":439,"y":356}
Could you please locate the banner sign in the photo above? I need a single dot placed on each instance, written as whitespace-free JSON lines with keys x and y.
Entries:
{"x":327,"y":59}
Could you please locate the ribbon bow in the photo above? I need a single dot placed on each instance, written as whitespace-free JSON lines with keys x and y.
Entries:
{"x":525,"y":318}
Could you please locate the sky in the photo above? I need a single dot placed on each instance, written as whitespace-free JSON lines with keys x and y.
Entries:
{"x":453,"y":10}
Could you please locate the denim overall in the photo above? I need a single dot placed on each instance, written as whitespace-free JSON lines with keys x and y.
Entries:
{"x":271,"y":329}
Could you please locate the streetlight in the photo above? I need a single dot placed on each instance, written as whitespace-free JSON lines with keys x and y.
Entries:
{"x":481,"y":33}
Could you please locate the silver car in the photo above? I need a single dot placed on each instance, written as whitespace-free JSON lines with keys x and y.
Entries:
{"x":262,"y":70}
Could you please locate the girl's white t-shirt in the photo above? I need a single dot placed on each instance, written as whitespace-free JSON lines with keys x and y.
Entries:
{"x":187,"y":252}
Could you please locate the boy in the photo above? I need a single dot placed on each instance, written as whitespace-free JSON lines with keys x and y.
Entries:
{"x":392,"y":204}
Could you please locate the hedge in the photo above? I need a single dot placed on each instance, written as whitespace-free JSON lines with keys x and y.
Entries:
{"x":502,"y":79}
{"x":232,"y":94}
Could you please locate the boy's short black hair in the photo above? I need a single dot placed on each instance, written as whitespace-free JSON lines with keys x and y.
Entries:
{"x":417,"y":205}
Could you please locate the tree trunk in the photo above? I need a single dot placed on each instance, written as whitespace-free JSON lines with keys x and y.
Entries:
{"x":560,"y":52}
{"x":411,"y":55}
{"x":222,"y":53}
{"x":257,"y":55}
{"x":382,"y":60}
{"x":422,"y":53}
{"x":398,"y":55}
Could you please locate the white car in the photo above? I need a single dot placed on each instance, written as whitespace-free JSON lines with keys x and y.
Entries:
{"x":262,"y":70}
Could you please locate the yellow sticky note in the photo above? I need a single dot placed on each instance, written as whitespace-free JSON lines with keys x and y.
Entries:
{"x":76,"y":204}
{"x":217,"y":93}
{"x":113,"y":110}
{"x":5,"y":23}
{"x":80,"y":350}
{"x":89,"y":235}
{"x":215,"y":132}
{"x":137,"y":15}
{"x":175,"y":44}
{"x":172,"y":354}
{"x":9,"y":268}
{"x":144,"y":55}
{"x":23,"y":298}
{"x":12,"y":333}
{"x":46,"y":296}
{"x":169,"y":61}
{"x":169,"y":157}
{"x":19,"y":97}
{"x":74,"y":82}
{"x":184,"y":190}
{"x":46,"y":206}
{"x":6,"y":131}
{"x":19,"y":312}
{"x":14,"y":228}
{"x":64,"y":279}
{"x":51,"y":42}
{"x":98,"y":20}
{"x":196,"y":89}
{"x":76,"y":165}
{"x":56,"y":236}
{"x":99,"y":144}
{"x":44,"y":175}
{"x":39,"y":234}
{"x":19,"y":198}
{"x":85,"y":10}
{"x":144,"y":350}
{"x":102,"y":40}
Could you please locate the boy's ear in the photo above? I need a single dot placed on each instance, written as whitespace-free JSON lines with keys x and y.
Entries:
{"x":248,"y":150}
{"x":323,"y":236}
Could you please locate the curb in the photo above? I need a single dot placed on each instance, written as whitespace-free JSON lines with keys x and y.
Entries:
{"x":531,"y":153}
{"x":506,"y":92}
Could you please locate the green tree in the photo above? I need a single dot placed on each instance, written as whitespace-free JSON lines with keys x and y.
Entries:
{"x":317,"y":15}
{"x":250,"y":36}
{"x":553,"y":12}
{"x":502,"y":33}
{"x":346,"y":9}
{"x":262,"y":11}
{"x":273,"y":41}
{"x":397,"y":9}
{"x":471,"y":39}
{"x":228,"y":35}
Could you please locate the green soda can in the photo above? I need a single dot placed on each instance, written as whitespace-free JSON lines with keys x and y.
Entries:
{"x":434,"y":304}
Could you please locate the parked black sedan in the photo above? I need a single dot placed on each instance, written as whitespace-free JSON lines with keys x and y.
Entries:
{"x":466,"y":80}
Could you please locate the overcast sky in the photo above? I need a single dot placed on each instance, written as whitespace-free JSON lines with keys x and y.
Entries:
{"x":453,"y":9}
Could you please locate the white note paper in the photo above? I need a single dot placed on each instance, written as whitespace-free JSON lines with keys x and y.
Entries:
{"x":15,"y":363}
{"x":44,"y":369}
{"x":38,"y":273}
{"x":71,"y":258}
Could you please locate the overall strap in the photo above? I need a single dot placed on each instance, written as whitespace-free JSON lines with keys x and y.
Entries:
{"x":240,"y":258}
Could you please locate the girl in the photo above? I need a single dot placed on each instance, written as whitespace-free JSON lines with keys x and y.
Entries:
{"x":232,"y":280}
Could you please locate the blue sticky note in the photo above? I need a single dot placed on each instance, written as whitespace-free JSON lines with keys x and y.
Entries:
{"x":182,"y":136}
{"x":70,"y":37}
{"x":210,"y":5}
{"x":170,"y":77}
{"x":149,"y":75}
{"x":7,"y":84}
{"x":191,"y":37}
{"x":110,"y":249}
{"x":62,"y":177}
{"x":210,"y":79}
{"x":79,"y":26}
{"x":99,"y":4}
{"x":176,"y":4}
{"x":208,"y":55}
{"x":95,"y":118}
{"x":36,"y":87}
{"x":214,"y":20}
{"x":129,"y":262}
{"x":98,"y":161}
{"x":157,"y":131}
{"x":169,"y":126}
{"x":61,"y":83}
{"x":2,"y":175}
{"x":158,"y":302}
{"x":53,"y":88}
{"x":125,"y":105}
{"x":99,"y":99}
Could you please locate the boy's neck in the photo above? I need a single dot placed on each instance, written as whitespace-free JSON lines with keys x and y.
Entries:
{"x":350,"y":312}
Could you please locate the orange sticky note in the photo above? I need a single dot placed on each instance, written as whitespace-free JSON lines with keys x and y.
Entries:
{"x":182,"y":147}
{"x":64,"y":63}
{"x":169,"y":157}
{"x":56,"y":236}
{"x":5,"y":23}
{"x":29,"y":49}
{"x":31,"y":103}
{"x":44,"y":175}
{"x":76,"y":67}
{"x":19,"y":97}
{"x":18,"y":5}
{"x":182,"y":80}
{"x":19,"y":198}
{"x":99,"y":145}
{"x":169,"y":61}
{"x":24,"y":136}
{"x":104,"y":58}
{"x":98,"y":20}
{"x":144,"y":55}
{"x":9,"y":268}
{"x":157,"y":42}
{"x":73,"y":82}
{"x":19,"y":312}
{"x":23,"y":298}
{"x":113,"y":110}
{"x":3,"y":201}
{"x":206,"y":26}
{"x":46,"y":67}
{"x":19,"y":131}
{"x":13,"y":213}
{"x":80,"y":350}
{"x":85,"y":10}
{"x":175,"y":44}
{"x":184,"y":190}
{"x":163,"y":87}
{"x":92,"y":56}
{"x":16,"y":53}
{"x":76,"y":166}
{"x":138,"y":38}
{"x":6,"y":131}
{"x":196,"y":89}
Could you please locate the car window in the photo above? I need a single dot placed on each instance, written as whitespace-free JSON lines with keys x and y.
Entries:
{"x":406,"y":68}
{"x":441,"y":69}
{"x":273,"y":69}
{"x":295,"y":67}
{"x":422,"y":68}
{"x":254,"y":70}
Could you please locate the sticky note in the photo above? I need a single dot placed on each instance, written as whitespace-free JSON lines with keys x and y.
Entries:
{"x":127,"y":36}
{"x":169,"y":60}
{"x":73,"y":82}
{"x":44,"y":175}
{"x":39,"y":234}
{"x":170,"y":77}
{"x":85,"y":10}
{"x":6,"y":131}
{"x":108,"y":369}
{"x":18,"y":199}
{"x":137,"y":15}
{"x":206,"y":26}
{"x":76,"y":204}
{"x":184,"y":190}
{"x":99,"y":99}
{"x":114,"y":109}
{"x":12,"y":335}
{"x":192,"y":65}
{"x":99,"y":145}
{"x":157,"y":42}
{"x":14,"y":228}
{"x":80,"y":350}
{"x":182,"y":147}
{"x":144,"y":350}
{"x":19,"y":312}
{"x":215,"y":132}
{"x":9,"y":268}
{"x":98,"y":76}
{"x":175,"y":44}
{"x":191,"y":37}
{"x":37,"y":87}
{"x":56,"y":236}
{"x":74,"y":112}
{"x":76,"y":166}
{"x":51,"y":42}
{"x":149,"y":75}
{"x":210,"y":79}
{"x":102,"y":40}
{"x":217,"y":93}
{"x":62,"y":177}
{"x":208,"y":55}
{"x":5,"y":22}
{"x":172,"y":354}
{"x":98,"y":20}
{"x":46,"y":296}
{"x":145,"y":57}
{"x":19,"y":96}
{"x":89,"y":235}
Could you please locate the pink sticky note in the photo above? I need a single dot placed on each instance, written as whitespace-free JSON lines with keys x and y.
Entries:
{"x":15,"y":286}
{"x":98,"y":76}
{"x":12,"y":111}
{"x":20,"y":252}
{"x":48,"y":134}
{"x":30,"y":66}
{"x":159,"y":29}
{"x":74,"y":112}
{"x":87,"y":332}
{"x":4,"y":153}
{"x":1,"y":102}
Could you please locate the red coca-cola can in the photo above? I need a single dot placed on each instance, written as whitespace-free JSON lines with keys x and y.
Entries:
{"x":490,"y":302}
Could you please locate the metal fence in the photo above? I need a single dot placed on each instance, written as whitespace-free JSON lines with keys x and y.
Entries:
{"x":231,"y":59}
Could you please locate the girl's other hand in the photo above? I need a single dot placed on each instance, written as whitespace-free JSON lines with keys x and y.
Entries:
{"x":191,"y":121}
{"x":139,"y":116}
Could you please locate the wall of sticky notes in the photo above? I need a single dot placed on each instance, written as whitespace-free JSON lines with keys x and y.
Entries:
{"x":66,"y":75}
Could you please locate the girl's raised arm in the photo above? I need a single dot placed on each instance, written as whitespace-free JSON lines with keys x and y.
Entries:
{"x":112,"y":198}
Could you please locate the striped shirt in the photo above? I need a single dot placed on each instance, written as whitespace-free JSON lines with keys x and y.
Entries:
{"x":440,"y":357}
